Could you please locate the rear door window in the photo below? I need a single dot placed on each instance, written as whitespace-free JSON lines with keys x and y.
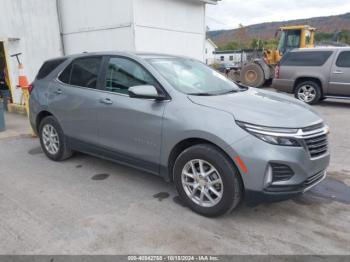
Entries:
{"x":305,"y":58}
{"x":82,"y":72}
{"x":343,"y":59}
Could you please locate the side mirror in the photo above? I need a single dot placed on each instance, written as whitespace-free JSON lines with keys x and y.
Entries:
{"x":145,"y":92}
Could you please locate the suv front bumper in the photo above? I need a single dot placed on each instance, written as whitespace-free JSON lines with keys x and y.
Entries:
{"x":258,"y":157}
{"x":283,"y":192}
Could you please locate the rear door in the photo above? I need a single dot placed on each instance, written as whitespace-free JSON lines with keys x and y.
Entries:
{"x":74,"y":97}
{"x":130,"y":128}
{"x":340,"y":75}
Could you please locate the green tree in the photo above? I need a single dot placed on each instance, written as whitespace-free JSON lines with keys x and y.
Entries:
{"x":229,"y":46}
{"x":342,"y":36}
{"x":270,"y":44}
{"x":256,"y":43}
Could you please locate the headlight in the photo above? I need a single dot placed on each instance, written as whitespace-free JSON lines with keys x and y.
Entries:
{"x":272,"y":135}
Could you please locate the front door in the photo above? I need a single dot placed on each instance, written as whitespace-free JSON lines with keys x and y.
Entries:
{"x":340,"y":75}
{"x":130,"y":127}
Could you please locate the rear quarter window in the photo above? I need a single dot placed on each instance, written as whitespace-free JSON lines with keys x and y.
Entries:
{"x":314,"y":58}
{"x":343,"y":59}
{"x":48,"y":67}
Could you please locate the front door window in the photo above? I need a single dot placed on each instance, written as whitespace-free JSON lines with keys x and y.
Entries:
{"x":124,"y":73}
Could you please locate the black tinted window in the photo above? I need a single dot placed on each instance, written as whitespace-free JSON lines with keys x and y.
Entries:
{"x":85,"y":72}
{"x":123,"y":73}
{"x":316,"y":58}
{"x":48,"y":67}
{"x":344,"y":59}
{"x":82,"y":72}
{"x":65,"y":75}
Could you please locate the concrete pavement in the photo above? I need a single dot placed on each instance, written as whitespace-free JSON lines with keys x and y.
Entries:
{"x":16,"y":125}
{"x":90,"y":206}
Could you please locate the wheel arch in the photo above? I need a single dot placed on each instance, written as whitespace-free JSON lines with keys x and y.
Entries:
{"x":188,"y":142}
{"x":40,"y":117}
{"x":302,"y":79}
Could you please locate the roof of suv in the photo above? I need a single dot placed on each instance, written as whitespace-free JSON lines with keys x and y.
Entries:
{"x":333,"y":48}
{"x":139,"y":54}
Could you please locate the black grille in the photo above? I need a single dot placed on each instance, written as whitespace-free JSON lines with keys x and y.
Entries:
{"x":281,"y":172}
{"x":317,"y":145}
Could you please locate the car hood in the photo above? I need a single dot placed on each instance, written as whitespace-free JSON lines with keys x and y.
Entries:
{"x":262,"y":107}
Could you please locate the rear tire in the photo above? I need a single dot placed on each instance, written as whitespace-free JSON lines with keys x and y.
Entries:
{"x":252,"y":75}
{"x":207,"y":181}
{"x":308,"y":92}
{"x":52,"y":140}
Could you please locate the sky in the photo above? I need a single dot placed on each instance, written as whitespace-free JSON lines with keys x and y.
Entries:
{"x":229,"y":14}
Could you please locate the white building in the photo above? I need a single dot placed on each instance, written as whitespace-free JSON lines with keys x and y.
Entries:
{"x":42,"y":29}
{"x":234,"y":56}
{"x":209,"y":52}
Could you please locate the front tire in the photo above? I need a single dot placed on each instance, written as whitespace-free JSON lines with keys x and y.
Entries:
{"x":308,"y":92}
{"x":207,"y":181}
{"x":52,"y":140}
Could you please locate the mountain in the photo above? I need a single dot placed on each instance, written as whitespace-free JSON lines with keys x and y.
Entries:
{"x":265,"y":31}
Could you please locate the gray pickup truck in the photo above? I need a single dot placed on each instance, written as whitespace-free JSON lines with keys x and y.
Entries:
{"x":314,"y":74}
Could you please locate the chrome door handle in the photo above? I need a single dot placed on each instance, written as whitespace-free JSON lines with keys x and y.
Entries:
{"x":106,"y":101}
{"x":338,"y":72}
{"x":58,"y":92}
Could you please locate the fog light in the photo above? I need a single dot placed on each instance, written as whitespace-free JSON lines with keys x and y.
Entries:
{"x":277,"y":173}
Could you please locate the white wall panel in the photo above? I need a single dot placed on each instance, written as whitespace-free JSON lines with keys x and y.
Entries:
{"x":170,"y":42}
{"x":177,"y":15}
{"x":170,"y":26}
{"x":101,"y":25}
{"x":89,"y":15}
{"x":120,"y":39}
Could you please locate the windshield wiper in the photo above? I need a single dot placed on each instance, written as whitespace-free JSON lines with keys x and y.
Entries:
{"x":214,"y":94}
{"x":229,"y":92}
{"x":202,"y":94}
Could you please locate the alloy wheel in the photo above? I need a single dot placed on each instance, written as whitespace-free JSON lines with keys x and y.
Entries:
{"x":50,"y":139}
{"x":202,"y":183}
{"x":307,"y":93}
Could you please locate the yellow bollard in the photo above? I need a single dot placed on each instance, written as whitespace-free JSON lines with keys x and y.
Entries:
{"x":26,"y":104}
{"x":26,"y":99}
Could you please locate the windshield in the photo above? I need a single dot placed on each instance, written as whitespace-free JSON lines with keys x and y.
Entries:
{"x":192,"y":77}
{"x":289,"y":40}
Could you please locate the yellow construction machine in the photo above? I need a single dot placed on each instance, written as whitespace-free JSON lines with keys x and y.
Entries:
{"x":258,"y":70}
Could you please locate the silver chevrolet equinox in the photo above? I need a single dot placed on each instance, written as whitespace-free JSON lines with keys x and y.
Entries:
{"x":219,"y":142}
